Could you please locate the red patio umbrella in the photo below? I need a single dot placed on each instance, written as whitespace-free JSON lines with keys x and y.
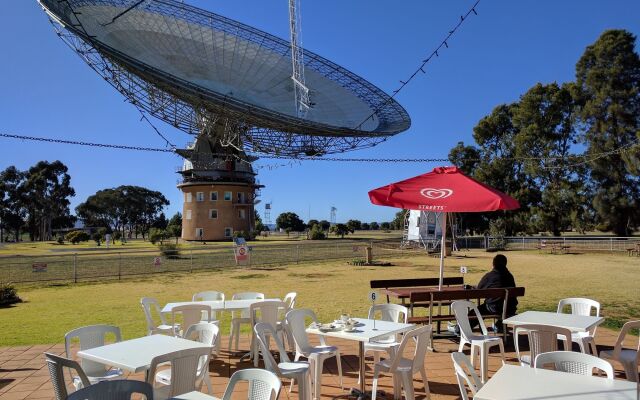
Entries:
{"x":445,"y":189}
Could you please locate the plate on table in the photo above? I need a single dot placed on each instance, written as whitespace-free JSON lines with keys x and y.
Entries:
{"x":327,"y":328}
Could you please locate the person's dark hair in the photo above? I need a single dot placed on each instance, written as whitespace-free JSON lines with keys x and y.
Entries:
{"x":500,"y":262}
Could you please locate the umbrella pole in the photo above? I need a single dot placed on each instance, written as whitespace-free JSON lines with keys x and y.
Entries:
{"x":442,"y":249}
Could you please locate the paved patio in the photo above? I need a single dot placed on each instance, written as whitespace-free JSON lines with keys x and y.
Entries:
{"x":23,"y":374}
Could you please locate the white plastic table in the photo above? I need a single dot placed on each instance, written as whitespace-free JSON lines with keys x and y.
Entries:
{"x":365,"y":334}
{"x":513,"y":382}
{"x":135,"y":355}
{"x":218,"y":305}
{"x":575,"y":323}
{"x":194,"y":396}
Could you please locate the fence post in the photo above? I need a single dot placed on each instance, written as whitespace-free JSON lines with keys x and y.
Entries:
{"x":611,"y":244}
{"x":75,"y":267}
{"x":523,"y":243}
{"x":297,"y":254}
{"x":190,"y":260}
{"x":119,"y":266}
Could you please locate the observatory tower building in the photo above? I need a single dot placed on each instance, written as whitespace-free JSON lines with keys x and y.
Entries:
{"x":219,"y":189}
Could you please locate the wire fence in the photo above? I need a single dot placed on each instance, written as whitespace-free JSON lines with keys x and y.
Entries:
{"x":564,"y":243}
{"x":115,"y":264}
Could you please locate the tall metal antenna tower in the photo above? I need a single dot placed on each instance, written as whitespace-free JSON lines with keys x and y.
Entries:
{"x":267,"y":213}
{"x":302,"y":101}
{"x":332,"y":218}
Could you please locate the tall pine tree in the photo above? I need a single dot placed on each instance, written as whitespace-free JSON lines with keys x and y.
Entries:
{"x":608,"y":91}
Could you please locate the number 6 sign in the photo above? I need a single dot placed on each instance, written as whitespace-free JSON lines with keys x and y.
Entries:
{"x":373,"y":296}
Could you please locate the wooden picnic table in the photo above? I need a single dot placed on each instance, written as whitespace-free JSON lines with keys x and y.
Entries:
{"x":404,"y":293}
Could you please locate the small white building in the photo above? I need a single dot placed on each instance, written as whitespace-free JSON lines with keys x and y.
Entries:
{"x":423,"y":228}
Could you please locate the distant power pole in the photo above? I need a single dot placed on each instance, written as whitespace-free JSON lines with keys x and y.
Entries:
{"x":332,"y":218}
{"x":267,"y":213}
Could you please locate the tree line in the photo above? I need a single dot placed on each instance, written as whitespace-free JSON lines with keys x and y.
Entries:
{"x":35,"y":201}
{"x":318,"y":229}
{"x":567,"y":152}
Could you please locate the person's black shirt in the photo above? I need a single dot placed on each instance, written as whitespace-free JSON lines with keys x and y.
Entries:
{"x":499,"y":278}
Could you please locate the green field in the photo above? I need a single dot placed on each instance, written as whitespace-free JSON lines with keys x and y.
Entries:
{"x":329,"y":288}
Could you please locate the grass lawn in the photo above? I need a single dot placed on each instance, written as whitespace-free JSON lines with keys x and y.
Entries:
{"x":328,"y":288}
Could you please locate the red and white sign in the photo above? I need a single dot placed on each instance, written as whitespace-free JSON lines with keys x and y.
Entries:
{"x":157,"y":261}
{"x":39,"y":267}
{"x":242,"y":254}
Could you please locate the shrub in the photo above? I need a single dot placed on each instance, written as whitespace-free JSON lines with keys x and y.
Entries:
{"x":246,"y":235}
{"x":60,"y":239}
{"x":8,"y":294}
{"x":97,"y":237}
{"x":170,"y":251}
{"x":158,"y":235}
{"x":76,"y":237}
{"x":496,"y":231}
{"x":316,"y":233}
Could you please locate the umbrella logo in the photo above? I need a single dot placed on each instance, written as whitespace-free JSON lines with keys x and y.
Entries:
{"x":436,"y":194}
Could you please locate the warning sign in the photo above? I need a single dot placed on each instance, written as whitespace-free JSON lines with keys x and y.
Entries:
{"x":242,"y":254}
{"x":157,"y":261}
{"x":39,"y":267}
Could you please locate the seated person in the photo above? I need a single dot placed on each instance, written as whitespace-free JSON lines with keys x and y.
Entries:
{"x":498,"y":277}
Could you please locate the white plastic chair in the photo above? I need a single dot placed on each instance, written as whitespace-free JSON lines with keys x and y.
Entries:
{"x":184,"y":371}
{"x":465,"y":374}
{"x":629,"y":358}
{"x":263,"y":311}
{"x":582,"y":306}
{"x":191,"y":315}
{"x":542,"y":339}
{"x":202,"y":332}
{"x":149,"y":305}
{"x":298,"y":371}
{"x":210,"y":295}
{"x":56,"y":365}
{"x":402,"y":368}
{"x":114,"y":390}
{"x":242,"y":317}
{"x":575,"y":363}
{"x":480,"y":344}
{"x":89,"y":337}
{"x":296,"y":319}
{"x":263,"y":384}
{"x":290,"y":301}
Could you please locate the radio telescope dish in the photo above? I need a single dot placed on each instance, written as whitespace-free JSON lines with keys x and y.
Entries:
{"x":209,"y":75}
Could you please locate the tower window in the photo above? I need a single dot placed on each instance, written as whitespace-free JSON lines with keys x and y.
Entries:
{"x":228,"y":232}
{"x":213,"y":196}
{"x":199,"y":233}
{"x":200,"y":196}
{"x":242,"y":214}
{"x":228,"y":196}
{"x":187,"y":197}
{"x":188,"y":214}
{"x":213,"y":214}
{"x":240,"y":198}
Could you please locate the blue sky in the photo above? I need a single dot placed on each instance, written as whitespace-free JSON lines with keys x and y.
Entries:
{"x":46,"y":90}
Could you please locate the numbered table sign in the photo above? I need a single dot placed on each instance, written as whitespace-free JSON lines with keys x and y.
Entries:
{"x":373,"y":296}
{"x":463,"y":270}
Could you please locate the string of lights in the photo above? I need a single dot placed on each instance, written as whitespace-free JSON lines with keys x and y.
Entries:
{"x":562,"y":161}
{"x":421,"y":67}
